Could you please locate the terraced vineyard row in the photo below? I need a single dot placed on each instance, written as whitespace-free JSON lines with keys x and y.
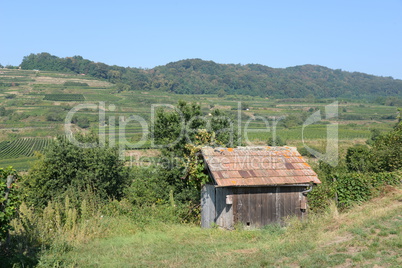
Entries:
{"x":64,"y":97}
{"x":22,"y":147}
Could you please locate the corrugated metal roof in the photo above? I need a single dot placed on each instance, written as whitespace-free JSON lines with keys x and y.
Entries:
{"x":257,"y":166}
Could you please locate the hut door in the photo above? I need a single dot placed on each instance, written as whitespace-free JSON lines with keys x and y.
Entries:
{"x":254,"y":207}
{"x":257,"y":207}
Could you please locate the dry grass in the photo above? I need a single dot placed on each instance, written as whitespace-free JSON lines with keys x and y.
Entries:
{"x":367,"y":235}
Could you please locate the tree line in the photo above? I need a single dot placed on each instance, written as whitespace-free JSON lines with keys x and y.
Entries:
{"x":196,"y":76}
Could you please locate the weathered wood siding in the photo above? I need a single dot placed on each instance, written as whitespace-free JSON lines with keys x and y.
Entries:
{"x":257,"y":207}
{"x":252,"y":206}
{"x":207,"y":206}
{"x":224,"y":212}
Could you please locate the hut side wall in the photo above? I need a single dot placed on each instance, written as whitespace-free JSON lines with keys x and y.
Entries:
{"x":224,"y":211}
{"x":254,"y":207}
{"x":207,"y":205}
{"x":257,"y":207}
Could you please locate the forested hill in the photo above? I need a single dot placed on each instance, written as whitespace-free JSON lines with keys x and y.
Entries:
{"x":196,"y":76}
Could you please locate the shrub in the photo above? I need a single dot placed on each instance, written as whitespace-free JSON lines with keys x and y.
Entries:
{"x":386,"y":151}
{"x":304,"y":152}
{"x":352,"y":188}
{"x":146,"y":188}
{"x":67,"y":169}
{"x":276,"y":142}
{"x":320,"y":198}
{"x":358,"y":158}
{"x":75,"y":84}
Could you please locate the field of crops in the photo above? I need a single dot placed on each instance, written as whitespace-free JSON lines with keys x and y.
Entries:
{"x":64,"y":97}
{"x":24,"y":147}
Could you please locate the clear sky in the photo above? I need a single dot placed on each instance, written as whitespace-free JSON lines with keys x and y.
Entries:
{"x":354,"y":35}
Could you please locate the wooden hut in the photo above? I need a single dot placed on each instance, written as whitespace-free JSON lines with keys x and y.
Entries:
{"x":254,"y":186}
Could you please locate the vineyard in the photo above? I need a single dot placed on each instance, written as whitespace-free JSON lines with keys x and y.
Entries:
{"x":64,"y":97}
{"x":24,"y":147}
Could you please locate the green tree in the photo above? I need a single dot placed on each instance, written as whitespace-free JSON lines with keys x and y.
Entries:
{"x":68,"y":169}
{"x":221,"y":93}
{"x":183,"y":132}
{"x":385,"y":155}
{"x":387,"y":151}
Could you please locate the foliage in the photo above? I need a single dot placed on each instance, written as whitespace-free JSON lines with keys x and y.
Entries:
{"x":82,"y":122}
{"x":276,"y":142}
{"x":10,"y":96}
{"x":294,"y":120}
{"x":182,"y":133}
{"x":75,"y":84}
{"x":375,"y":134}
{"x":358,"y":158}
{"x":147,"y":187}
{"x":384,"y":155}
{"x":58,"y":227}
{"x":321,"y":197}
{"x":195,"y":76}
{"x":304,"y":152}
{"x":351,"y":188}
{"x":55,"y":116}
{"x":68,"y":169}
{"x":7,"y":206}
{"x":64,"y":97}
{"x":387,"y":153}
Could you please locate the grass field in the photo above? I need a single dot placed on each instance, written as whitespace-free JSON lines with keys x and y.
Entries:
{"x":369,"y":235}
{"x":36,"y":104}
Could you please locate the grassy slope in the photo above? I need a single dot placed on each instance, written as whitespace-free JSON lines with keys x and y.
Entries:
{"x":366,"y":236}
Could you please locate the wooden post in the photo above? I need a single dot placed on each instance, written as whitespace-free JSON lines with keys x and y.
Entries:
{"x":10,"y":181}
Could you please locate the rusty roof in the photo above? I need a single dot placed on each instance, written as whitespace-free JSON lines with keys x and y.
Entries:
{"x":258,"y":166}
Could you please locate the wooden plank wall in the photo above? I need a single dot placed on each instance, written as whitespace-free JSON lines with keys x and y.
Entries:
{"x":257,"y":207}
{"x":207,"y":206}
{"x":254,"y":207}
{"x":224,"y":212}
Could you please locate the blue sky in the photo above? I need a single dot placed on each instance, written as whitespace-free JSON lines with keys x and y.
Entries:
{"x":364,"y":36}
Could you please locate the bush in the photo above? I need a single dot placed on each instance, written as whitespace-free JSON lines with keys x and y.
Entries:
{"x":386,"y":152}
{"x":10,"y":96}
{"x":320,"y":198}
{"x":352,"y":188}
{"x":83,"y":122}
{"x":304,"y":152}
{"x":53,"y":116}
{"x":76,"y":84}
{"x":276,"y":142}
{"x":67,"y":169}
{"x":146,"y":187}
{"x":358,"y":158}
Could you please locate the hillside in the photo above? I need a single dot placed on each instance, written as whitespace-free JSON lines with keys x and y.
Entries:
{"x":196,"y":76}
{"x":34,"y":104}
